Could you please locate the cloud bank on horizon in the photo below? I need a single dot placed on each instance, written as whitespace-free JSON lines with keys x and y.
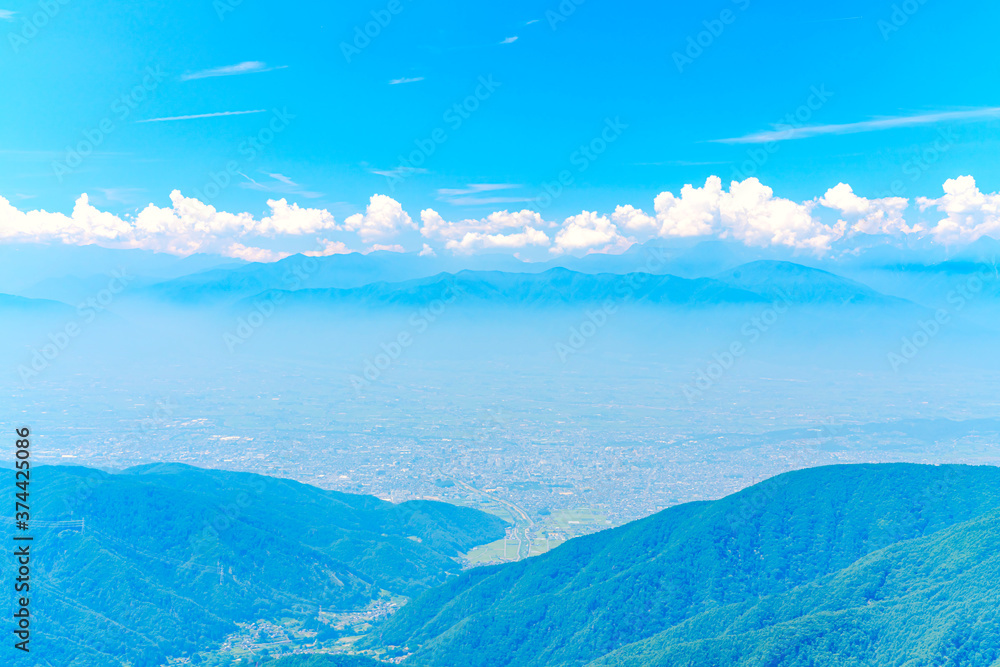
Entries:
{"x":748,"y":212}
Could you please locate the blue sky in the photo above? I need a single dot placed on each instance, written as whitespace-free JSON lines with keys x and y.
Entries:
{"x":557,"y":75}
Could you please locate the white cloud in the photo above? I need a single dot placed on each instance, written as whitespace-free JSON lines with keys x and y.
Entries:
{"x":694,"y":213}
{"x":384,"y":219}
{"x":386,"y":248}
{"x":7,"y":15}
{"x":634,"y":220}
{"x":510,"y":40}
{"x":86,"y":225}
{"x":288,"y":218}
{"x":253,"y":254}
{"x":188,"y":226}
{"x":435,"y":227}
{"x":868,"y":216}
{"x":970,"y":214}
{"x":396,"y":82}
{"x":474,"y":241}
{"x":185,"y":227}
{"x":468,"y":236}
{"x":249,"y":67}
{"x":749,"y":212}
{"x":330,"y":248}
{"x":590,"y":232}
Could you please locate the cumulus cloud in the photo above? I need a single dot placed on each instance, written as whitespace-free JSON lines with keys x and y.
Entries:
{"x":328,"y":247}
{"x":395,"y":247}
{"x":969,"y":213}
{"x":435,"y":227}
{"x":590,"y":232}
{"x":749,"y":212}
{"x":868,"y":216}
{"x":474,"y":241}
{"x":185,"y":227}
{"x":383,"y":220}
{"x":288,"y":218}
{"x":634,"y":220}
{"x":492,"y":232}
{"x":251,"y":254}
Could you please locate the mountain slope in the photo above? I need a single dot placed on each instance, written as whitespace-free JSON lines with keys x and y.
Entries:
{"x":600,"y":593}
{"x":924,"y":601}
{"x":169,"y":557}
{"x":802,"y":285}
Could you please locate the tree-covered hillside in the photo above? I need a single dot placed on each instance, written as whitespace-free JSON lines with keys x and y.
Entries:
{"x":161,"y":560}
{"x":787,"y":563}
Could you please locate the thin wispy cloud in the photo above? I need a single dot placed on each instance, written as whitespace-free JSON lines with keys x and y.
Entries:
{"x":399,"y":172}
{"x":486,"y":201}
{"x":467,"y":196}
{"x":122,"y":195}
{"x":476,"y":188}
{"x":201,"y":115}
{"x":7,"y":15}
{"x":396,"y":82}
{"x":278,"y":183}
{"x":249,"y":67}
{"x":509,"y":40}
{"x":532,"y":21}
{"x":805,"y":132}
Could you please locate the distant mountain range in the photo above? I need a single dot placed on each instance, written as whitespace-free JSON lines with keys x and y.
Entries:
{"x":162,"y":560}
{"x":849,"y":565}
{"x":19,"y":304}
{"x":921,"y":274}
{"x":757,"y":283}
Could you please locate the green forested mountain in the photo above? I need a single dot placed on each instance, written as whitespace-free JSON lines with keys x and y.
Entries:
{"x":843,"y":565}
{"x":164,"y":559}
